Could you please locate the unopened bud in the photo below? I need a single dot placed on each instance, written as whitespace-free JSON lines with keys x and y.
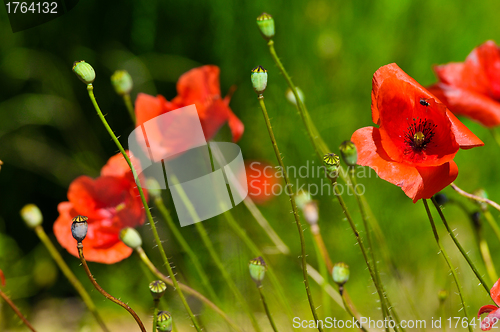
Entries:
{"x":442,"y":295}
{"x":259,"y":79}
{"x":291,"y":97}
{"x":257,"y":269}
{"x":441,"y":198}
{"x":266,"y":25}
{"x":122,"y":82}
{"x":164,"y":321}
{"x":84,"y":71}
{"x":31,"y":215}
{"x":340,"y":273}
{"x":302,"y":198}
{"x":349,"y":153}
{"x":131,"y":237}
{"x":79,"y":228}
{"x":157,"y":289}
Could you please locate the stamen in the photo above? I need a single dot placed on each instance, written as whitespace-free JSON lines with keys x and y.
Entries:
{"x":418,"y":135}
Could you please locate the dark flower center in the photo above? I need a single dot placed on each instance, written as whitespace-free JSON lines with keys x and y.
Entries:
{"x":419,"y":134}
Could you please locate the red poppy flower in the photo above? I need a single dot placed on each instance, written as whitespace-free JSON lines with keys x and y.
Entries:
{"x":261,"y":180}
{"x":111,"y":202}
{"x":199,"y":86}
{"x":417,"y":137}
{"x":472,"y":88}
{"x":493,"y":311}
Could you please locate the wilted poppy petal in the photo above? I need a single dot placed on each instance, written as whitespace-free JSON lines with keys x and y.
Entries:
{"x":417,"y":183}
{"x":469,"y":103}
{"x":491,"y":320}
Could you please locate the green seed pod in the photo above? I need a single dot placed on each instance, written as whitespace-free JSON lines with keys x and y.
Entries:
{"x":291,"y":97}
{"x":442,"y":295}
{"x":131,"y":237}
{"x":79,"y":228}
{"x":31,"y":215}
{"x":349,"y":153}
{"x":259,"y":79}
{"x":153,"y":187}
{"x":302,"y":198}
{"x":266,"y":25}
{"x":340,"y":273}
{"x":164,"y":321}
{"x":122,"y":82}
{"x":257,"y":269}
{"x":84,"y":71}
{"x":332,"y":163}
{"x":157,"y":289}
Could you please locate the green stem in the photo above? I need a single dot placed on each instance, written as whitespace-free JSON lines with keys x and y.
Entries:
{"x":266,"y":308}
{"x":491,"y":221}
{"x":16,"y":310}
{"x":348,"y":308}
{"x":459,"y":246}
{"x":90,"y":90}
{"x":145,"y":259}
{"x":495,"y":136}
{"x":448,"y":262}
{"x":155,"y":314}
{"x":70,"y":275}
{"x":103,"y":292}
{"x":186,"y":247}
{"x":323,"y":269}
{"x":294,"y":208}
{"x":474,"y":197}
{"x":130,"y":108}
{"x":213,"y":254}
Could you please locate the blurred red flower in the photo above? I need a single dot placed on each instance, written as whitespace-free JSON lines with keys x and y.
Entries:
{"x":2,"y":279}
{"x":111,"y":202}
{"x":493,"y":311}
{"x":262,"y":181}
{"x":472,"y":88}
{"x":417,"y":137}
{"x":199,"y":86}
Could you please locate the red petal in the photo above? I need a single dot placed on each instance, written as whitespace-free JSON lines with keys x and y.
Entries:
{"x":236,"y":126}
{"x":261,"y":180}
{"x":199,"y":85}
{"x":148,"y":107}
{"x":117,"y":166}
{"x":417,"y":183}
{"x":469,"y":103}
{"x":492,"y":318}
{"x":495,"y":292}
{"x":485,"y":309}
{"x":2,"y":279}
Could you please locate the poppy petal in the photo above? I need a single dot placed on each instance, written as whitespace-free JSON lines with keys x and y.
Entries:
{"x":2,"y":279}
{"x":417,"y":183}
{"x":199,"y":84}
{"x":490,"y":320}
{"x":495,"y":292}
{"x":469,"y":103}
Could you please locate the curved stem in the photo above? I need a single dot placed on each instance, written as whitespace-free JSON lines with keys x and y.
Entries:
{"x":163,"y":255}
{"x":294,"y":209}
{"x":459,"y":246}
{"x":474,"y":197}
{"x":186,"y":247}
{"x":348,"y":308}
{"x":103,"y":292}
{"x":77,"y":285}
{"x":266,"y":308}
{"x":130,"y":108}
{"x":145,"y":259}
{"x":16,"y":310}
{"x":448,"y":262}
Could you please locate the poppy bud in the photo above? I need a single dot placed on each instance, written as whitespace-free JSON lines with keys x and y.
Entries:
{"x":157,"y":289}
{"x":266,"y":25}
{"x":332,"y":162}
{"x":441,"y":198}
{"x":257,"y":269}
{"x":259,"y":79}
{"x":79,"y":228}
{"x":291,"y":97}
{"x":164,"y":321}
{"x":122,"y":82}
{"x":84,"y":71}
{"x":131,"y":237}
{"x":483,"y":194}
{"x":31,"y":215}
{"x":302,"y":198}
{"x":442,"y":295}
{"x":349,"y":153}
{"x":153,"y":187}
{"x":476,"y":219}
{"x":340,"y":273}
{"x":310,"y":211}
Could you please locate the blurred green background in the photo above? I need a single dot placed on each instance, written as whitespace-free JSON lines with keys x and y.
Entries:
{"x":50,"y":134}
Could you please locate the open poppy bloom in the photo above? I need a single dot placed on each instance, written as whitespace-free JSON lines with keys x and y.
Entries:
{"x":493,"y":311}
{"x":417,"y":137}
{"x":199,"y":86}
{"x":111,"y":202}
{"x":472,"y":88}
{"x":261,"y":179}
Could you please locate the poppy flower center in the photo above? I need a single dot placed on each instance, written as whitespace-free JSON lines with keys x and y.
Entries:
{"x":418,"y":135}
